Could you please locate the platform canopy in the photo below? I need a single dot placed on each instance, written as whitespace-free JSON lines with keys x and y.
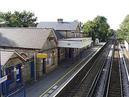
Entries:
{"x":75,"y":42}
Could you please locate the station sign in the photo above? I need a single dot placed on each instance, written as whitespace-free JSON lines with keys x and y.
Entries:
{"x":3,"y":79}
{"x":42,"y":55}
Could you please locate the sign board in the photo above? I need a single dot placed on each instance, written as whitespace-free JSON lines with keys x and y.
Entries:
{"x":3,"y":79}
{"x":42,"y":55}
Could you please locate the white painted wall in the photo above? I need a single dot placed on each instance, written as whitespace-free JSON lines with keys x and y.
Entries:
{"x":70,"y":44}
{"x":126,"y":45}
{"x":75,"y":43}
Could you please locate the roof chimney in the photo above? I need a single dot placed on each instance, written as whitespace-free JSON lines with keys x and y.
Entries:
{"x":60,"y":20}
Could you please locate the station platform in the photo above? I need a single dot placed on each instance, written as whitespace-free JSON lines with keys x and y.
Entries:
{"x":58,"y":76}
{"x":54,"y":79}
{"x":126,"y":55}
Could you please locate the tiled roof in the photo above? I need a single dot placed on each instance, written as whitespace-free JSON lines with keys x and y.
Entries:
{"x":59,"y":26}
{"x":58,"y":35}
{"x":32,"y":38}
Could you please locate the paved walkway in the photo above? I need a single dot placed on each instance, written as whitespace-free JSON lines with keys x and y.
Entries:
{"x":49,"y":79}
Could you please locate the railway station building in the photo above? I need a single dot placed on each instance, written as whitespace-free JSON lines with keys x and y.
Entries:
{"x":27,"y":54}
{"x":70,"y":38}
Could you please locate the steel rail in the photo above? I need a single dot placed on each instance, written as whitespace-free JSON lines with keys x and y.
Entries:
{"x":87,"y":74}
{"x":68,"y":81}
{"x":114,"y":89}
{"x":93,"y":90}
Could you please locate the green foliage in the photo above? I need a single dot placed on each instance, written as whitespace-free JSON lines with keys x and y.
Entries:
{"x":98,"y":28}
{"x":123,"y":32}
{"x":102,"y":28}
{"x":89,"y":29}
{"x":122,"y":35}
{"x":19,"y":19}
{"x":111,"y":32}
{"x":124,"y":27}
{"x":1,"y":20}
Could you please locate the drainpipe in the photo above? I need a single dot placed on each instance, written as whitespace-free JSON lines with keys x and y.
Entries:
{"x":35,"y":66}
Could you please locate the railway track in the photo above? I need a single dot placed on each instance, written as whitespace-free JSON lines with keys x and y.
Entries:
{"x":98,"y":90}
{"x":92,"y":77}
{"x":110,"y":82}
{"x":124,"y":71}
{"x":84,"y":80}
{"x":114,"y":89}
{"x":105,"y":75}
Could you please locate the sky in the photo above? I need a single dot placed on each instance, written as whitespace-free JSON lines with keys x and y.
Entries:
{"x":70,"y":10}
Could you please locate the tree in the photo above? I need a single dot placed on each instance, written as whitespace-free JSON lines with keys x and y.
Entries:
{"x":111,"y":32}
{"x":89,"y":29}
{"x":98,"y":28}
{"x":19,"y":19}
{"x":123,"y":32}
{"x":2,"y":22}
{"x":119,"y":34}
{"x":125,"y":24}
{"x":102,"y":28}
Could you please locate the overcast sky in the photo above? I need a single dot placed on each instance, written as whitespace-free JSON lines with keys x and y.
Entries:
{"x":69,"y":10}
